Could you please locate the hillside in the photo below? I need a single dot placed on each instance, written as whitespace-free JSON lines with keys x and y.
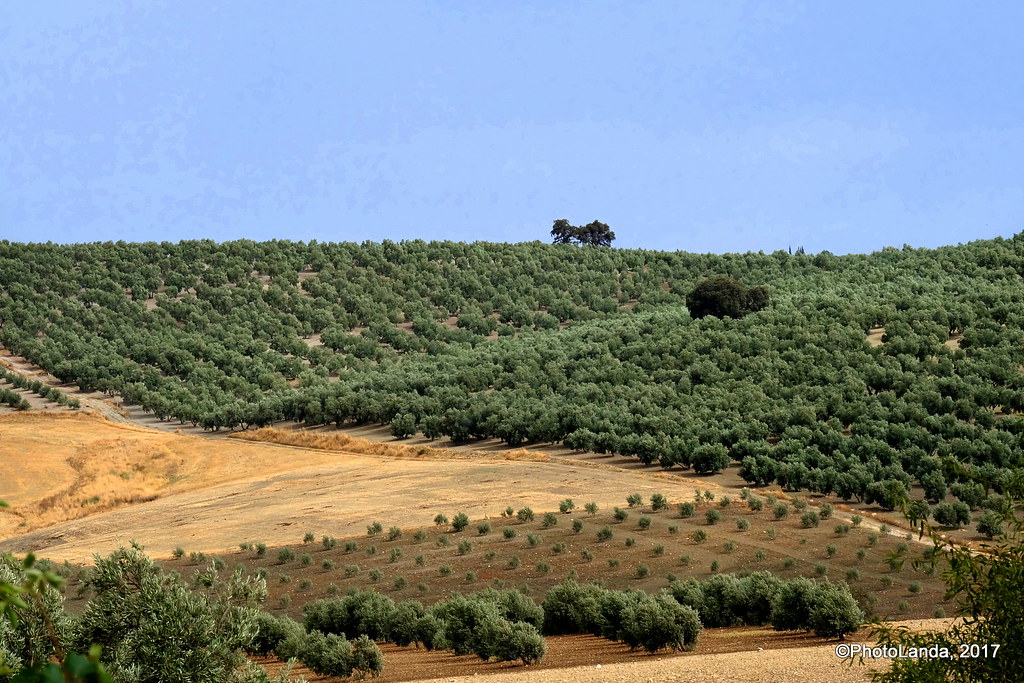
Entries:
{"x":91,"y":485}
{"x":81,"y":484}
{"x":317,"y":416}
{"x":860,"y":376}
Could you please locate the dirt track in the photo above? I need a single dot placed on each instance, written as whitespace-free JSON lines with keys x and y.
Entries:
{"x":94,"y":401}
{"x":737,"y":655}
{"x":722,"y":655}
{"x":809,"y":665}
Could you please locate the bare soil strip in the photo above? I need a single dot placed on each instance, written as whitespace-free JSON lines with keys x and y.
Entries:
{"x":722,"y":655}
{"x":76,"y":481}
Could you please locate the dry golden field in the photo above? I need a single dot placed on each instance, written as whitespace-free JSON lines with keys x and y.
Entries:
{"x":80,"y":484}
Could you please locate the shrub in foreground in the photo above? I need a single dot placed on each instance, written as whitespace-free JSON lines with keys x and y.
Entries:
{"x":153,"y":627}
{"x":326,"y":654}
{"x":363,"y":612}
{"x":828,"y":609}
{"x":835,"y":612}
{"x":572,"y":607}
{"x":516,"y":640}
{"x":657,"y":622}
{"x":271,"y":631}
{"x":332,"y":655}
{"x":986,"y":588}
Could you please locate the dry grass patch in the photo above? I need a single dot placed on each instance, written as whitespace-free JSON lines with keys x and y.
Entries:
{"x":874,"y":336}
{"x":338,"y":441}
{"x":523,"y":455}
{"x":335,"y":442}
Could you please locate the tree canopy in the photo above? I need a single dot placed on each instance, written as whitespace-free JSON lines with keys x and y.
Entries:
{"x":723,"y":296}
{"x":595,"y":233}
{"x":985,"y":643}
{"x":592,"y":348}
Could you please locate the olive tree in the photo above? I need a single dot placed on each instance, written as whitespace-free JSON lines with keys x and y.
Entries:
{"x":986,"y":588}
{"x":153,"y":627}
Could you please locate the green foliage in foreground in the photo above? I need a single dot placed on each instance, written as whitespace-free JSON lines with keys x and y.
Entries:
{"x":633,"y":617}
{"x":142,"y":625}
{"x":152,"y":627}
{"x":34,"y":629}
{"x":759,"y":598}
{"x":489,"y":622}
{"x":986,"y":586}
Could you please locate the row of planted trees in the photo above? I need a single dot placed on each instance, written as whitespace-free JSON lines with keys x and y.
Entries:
{"x":150,"y":625}
{"x":38,"y":387}
{"x":145,"y":624}
{"x":509,"y":626}
{"x":219,"y":336}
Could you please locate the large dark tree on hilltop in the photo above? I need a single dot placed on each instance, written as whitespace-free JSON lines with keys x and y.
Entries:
{"x":723,"y":296}
{"x":593,"y":349}
{"x":596,"y":233}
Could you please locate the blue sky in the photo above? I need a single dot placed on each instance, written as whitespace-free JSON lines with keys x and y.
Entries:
{"x":701,"y":126}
